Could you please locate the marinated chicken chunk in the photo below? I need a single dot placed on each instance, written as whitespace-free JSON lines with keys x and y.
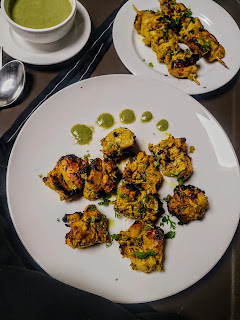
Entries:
{"x":172,"y":155}
{"x":135,"y":203}
{"x":68,"y":176}
{"x":142,"y":170}
{"x":87,"y":228}
{"x":102,"y":177}
{"x":117,"y":143}
{"x":188,"y":203}
{"x":142,"y":243}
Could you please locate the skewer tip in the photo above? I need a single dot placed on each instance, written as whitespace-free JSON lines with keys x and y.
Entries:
{"x":223,"y":63}
{"x":136,"y":9}
{"x":195,"y":80}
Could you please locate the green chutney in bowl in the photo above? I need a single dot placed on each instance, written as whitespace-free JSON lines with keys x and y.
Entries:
{"x":40,"y":21}
{"x":39,"y":14}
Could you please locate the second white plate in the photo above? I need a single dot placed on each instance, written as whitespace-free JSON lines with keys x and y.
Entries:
{"x":136,"y":56}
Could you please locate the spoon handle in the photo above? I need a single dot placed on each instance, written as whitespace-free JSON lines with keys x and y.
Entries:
{"x":0,"y":57}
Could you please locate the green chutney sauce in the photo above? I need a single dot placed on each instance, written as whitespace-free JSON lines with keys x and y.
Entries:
{"x":81,"y":134}
{"x":146,"y":116}
{"x":162,"y":125}
{"x":127,"y":116}
{"x":105,"y":120}
{"x":39,"y":14}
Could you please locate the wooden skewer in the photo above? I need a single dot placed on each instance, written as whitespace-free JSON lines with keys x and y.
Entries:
{"x":136,"y":9}
{"x":222,"y":62}
{"x":195,"y":80}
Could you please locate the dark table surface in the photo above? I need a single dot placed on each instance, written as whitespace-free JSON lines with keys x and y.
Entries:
{"x":217,"y":295}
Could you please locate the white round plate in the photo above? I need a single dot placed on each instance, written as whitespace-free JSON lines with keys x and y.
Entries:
{"x":50,"y":53}
{"x":136,"y":56}
{"x":35,"y":209}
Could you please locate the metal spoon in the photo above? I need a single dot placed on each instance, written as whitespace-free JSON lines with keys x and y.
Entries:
{"x":12,"y":81}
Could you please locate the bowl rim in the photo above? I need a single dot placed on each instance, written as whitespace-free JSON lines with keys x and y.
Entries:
{"x":69,"y":17}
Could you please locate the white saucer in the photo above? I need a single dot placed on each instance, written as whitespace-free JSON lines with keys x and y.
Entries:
{"x":51,"y":53}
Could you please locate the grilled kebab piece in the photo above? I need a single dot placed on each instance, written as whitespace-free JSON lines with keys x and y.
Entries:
{"x":103,"y":175}
{"x":172,"y":156}
{"x":87,"y":228}
{"x":187,"y":203}
{"x":134,"y":202}
{"x":117,"y":143}
{"x":68,"y":176}
{"x":142,"y":243}
{"x":142,"y":170}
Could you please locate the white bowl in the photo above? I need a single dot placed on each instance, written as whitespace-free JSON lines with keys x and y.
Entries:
{"x":46,"y":35}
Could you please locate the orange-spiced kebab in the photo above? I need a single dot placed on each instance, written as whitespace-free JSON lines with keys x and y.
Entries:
{"x":154,"y":27}
{"x":190,"y":31}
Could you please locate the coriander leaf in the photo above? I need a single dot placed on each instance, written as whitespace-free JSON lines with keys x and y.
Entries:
{"x":170,"y":235}
{"x":117,"y":215}
{"x":105,"y":200}
{"x":148,"y":227}
{"x":116,"y":236}
{"x":144,"y":255}
{"x":86,"y":156}
{"x":167,"y":199}
{"x":188,"y":13}
{"x":150,"y":64}
{"x":40,"y":175}
{"x":108,"y":244}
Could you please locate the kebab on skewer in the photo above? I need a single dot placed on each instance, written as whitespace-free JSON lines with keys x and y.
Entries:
{"x":191,"y":31}
{"x":155,"y":30}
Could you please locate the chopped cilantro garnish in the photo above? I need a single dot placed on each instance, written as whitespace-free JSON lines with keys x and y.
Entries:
{"x":167,"y":199}
{"x":40,"y":175}
{"x":109,"y":244}
{"x":150,"y":64}
{"x":180,"y":180}
{"x":86,"y":156}
{"x":117,"y":215}
{"x":116,"y":236}
{"x":92,"y":208}
{"x":120,"y":194}
{"x":188,"y":13}
{"x":105,"y":200}
{"x":166,"y":219}
{"x":145,"y":255}
{"x":170,"y":235}
{"x":148,"y":227}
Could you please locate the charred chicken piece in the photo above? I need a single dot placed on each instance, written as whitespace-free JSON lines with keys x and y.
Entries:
{"x":188,"y":203}
{"x":136,"y":204}
{"x":117,"y":143}
{"x":142,"y":170}
{"x":103,"y":175}
{"x":68,"y":176}
{"x":142,"y":243}
{"x":87,"y":228}
{"x":172,"y":155}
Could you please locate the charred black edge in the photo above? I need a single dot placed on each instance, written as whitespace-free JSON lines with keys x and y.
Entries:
{"x":180,"y":63}
{"x":190,"y":187}
{"x":72,"y":157}
{"x":65,"y":218}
